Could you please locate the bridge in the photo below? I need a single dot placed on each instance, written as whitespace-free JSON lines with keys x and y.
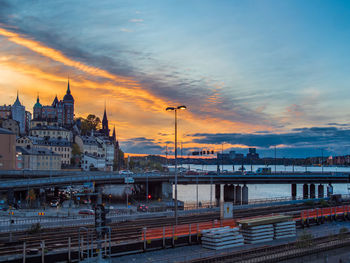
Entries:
{"x":160,"y":185}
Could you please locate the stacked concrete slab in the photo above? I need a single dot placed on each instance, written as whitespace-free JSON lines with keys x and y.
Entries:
{"x":222,"y":237}
{"x":258,"y":234}
{"x":284,"y":230}
{"x":263,"y":229}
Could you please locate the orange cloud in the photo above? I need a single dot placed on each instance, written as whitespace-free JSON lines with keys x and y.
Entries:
{"x":136,"y":111}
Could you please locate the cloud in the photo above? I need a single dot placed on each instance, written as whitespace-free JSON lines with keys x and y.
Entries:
{"x":136,"y":20}
{"x":141,"y":145}
{"x":126,"y":30}
{"x":338,"y":124}
{"x":299,"y":137}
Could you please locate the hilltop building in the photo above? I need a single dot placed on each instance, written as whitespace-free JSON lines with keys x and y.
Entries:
{"x":61,"y":111}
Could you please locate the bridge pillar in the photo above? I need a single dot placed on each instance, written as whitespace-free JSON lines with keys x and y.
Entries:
{"x":320,"y":191}
{"x":294,"y":191}
{"x":312,"y":191}
{"x":329,"y":190}
{"x":226,"y":193}
{"x":167,"y":191}
{"x":238,"y":195}
{"x":305,"y":191}
{"x":245,"y":195}
{"x":10,"y":197}
{"x":232,"y":193}
{"x":217,"y":194}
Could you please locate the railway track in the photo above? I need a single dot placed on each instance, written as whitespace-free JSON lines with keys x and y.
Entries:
{"x":279,"y":252}
{"x":122,"y":232}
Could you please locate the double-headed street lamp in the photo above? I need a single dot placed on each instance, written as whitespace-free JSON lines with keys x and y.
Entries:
{"x":182,"y":107}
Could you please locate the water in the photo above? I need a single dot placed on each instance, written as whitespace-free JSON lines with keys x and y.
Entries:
{"x":188,"y":193}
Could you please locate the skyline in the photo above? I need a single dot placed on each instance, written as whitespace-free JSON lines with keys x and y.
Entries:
{"x":252,"y":73}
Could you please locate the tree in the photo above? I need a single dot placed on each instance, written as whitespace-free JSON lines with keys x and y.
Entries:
{"x":76,"y":153}
{"x":92,"y":122}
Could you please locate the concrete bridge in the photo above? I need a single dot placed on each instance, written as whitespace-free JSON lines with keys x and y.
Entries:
{"x":160,"y":185}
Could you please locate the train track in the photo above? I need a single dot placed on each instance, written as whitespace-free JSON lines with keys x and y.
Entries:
{"x":121,"y":232}
{"x":277,"y":253}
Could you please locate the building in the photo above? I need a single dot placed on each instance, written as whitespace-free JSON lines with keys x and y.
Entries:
{"x":39,"y":159}
{"x":18,"y":113}
{"x":105,"y":129}
{"x":7,"y":150}
{"x":61,"y":111}
{"x":28,"y":119}
{"x":232,"y":155}
{"x":92,"y":162}
{"x":252,"y":155}
{"x":5,"y":112}
{"x":11,"y":125}
{"x":108,"y":151}
{"x":61,"y":146}
{"x":56,"y":132}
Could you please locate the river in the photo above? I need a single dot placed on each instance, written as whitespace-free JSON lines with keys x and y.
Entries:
{"x":188,"y":193}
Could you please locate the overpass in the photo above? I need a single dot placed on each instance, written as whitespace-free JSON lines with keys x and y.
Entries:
{"x":160,"y":185}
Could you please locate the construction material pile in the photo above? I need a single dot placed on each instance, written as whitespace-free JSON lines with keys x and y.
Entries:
{"x":258,"y":234}
{"x":265,"y":229}
{"x":222,"y":237}
{"x":285,"y":229}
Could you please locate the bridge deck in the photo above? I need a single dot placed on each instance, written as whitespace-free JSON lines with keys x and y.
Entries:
{"x":25,"y":179}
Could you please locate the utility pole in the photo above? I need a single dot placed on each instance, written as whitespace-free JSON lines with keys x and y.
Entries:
{"x":166,"y":155}
{"x":222,"y":157}
{"x":322,"y":160}
{"x":275,"y":161}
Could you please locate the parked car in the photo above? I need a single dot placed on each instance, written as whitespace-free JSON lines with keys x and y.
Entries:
{"x":86,"y":212}
{"x":142,"y":208}
{"x":212,"y":173}
{"x":190,"y":172}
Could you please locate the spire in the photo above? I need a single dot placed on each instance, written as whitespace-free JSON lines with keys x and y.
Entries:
{"x":55,"y":101}
{"x":105,"y":128}
{"x":68,"y":89}
{"x":68,"y":96}
{"x":37,"y":104}
{"x":113,"y":136}
{"x":17,"y":102}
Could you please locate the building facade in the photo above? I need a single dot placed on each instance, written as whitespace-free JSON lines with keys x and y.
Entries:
{"x":61,"y":111}
{"x":18,"y":113}
{"x":11,"y":125}
{"x":39,"y":159}
{"x":7,"y":150}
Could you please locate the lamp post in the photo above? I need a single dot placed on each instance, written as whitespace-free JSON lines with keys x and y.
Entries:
{"x":182,"y":107}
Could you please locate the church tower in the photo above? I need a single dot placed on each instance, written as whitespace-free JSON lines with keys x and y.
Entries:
{"x":105,"y":129}
{"x":68,"y":107}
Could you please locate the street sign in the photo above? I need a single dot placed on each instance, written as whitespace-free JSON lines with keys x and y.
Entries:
{"x":129,"y":180}
{"x":227,"y":210}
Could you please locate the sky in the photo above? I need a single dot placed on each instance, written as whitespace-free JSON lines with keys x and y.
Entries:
{"x":261,"y":74}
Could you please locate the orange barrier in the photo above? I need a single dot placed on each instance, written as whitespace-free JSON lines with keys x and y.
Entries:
{"x":327,"y":211}
{"x":196,"y":228}
{"x":185,"y":230}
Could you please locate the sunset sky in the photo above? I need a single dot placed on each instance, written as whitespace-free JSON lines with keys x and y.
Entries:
{"x":252,"y":73}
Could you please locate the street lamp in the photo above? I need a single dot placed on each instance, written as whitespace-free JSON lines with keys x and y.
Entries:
{"x":182,"y":107}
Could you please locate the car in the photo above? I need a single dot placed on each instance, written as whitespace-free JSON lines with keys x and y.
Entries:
{"x":142,"y":208}
{"x":250,"y":173}
{"x":125,"y":172}
{"x":86,"y":212}
{"x":54,"y":203}
{"x":212,"y":173}
{"x":190,"y":172}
